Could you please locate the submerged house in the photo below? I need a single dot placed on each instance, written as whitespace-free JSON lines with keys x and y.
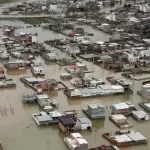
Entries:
{"x":107,"y":89}
{"x":66,"y":124}
{"x":145,"y":91}
{"x":48,"y":84}
{"x":66,"y":76}
{"x":84,"y":123}
{"x":50,"y":56}
{"x":72,"y":68}
{"x":95,"y":111}
{"x":122,"y":108}
{"x":140,"y":115}
{"x":40,"y":83}
{"x":145,"y":105}
{"x":71,"y":49}
{"x":72,"y":114}
{"x":44,"y":118}
{"x":77,"y":82}
{"x":120,"y":120}
{"x":37,"y":70}
{"x":36,"y":62}
{"x":125,"y":138}
{"x":27,"y":38}
{"x":76,"y":142}
{"x":66,"y":61}
{"x":44,"y":100}
{"x":16,"y":64}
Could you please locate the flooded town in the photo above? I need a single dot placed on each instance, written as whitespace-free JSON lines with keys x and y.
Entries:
{"x":74,"y":75}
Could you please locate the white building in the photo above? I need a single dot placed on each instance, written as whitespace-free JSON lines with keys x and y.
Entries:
{"x":117,"y":89}
{"x":37,"y":70}
{"x":122,"y":108}
{"x":84,"y":123}
{"x":87,"y":75}
{"x":76,"y":142}
{"x":145,"y":91}
{"x":107,"y":89}
{"x":140,"y":115}
{"x":120,"y":120}
{"x":95,"y":111}
{"x":36,"y":62}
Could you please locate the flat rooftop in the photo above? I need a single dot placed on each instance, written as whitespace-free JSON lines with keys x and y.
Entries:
{"x":147,"y":104}
{"x":42,"y":96}
{"x":55,"y":114}
{"x":84,"y":120}
{"x":76,"y":135}
{"x":122,"y":138}
{"x":121,"y":106}
{"x":96,"y":105}
{"x":65,"y":120}
{"x":119,"y":117}
{"x":132,"y":136}
{"x":44,"y":118}
{"x":136,"y":136}
{"x":140,"y":114}
{"x":105,"y":87}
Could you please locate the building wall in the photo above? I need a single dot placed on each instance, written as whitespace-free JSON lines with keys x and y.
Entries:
{"x":146,"y":93}
{"x":119,"y":111}
{"x":62,"y":127}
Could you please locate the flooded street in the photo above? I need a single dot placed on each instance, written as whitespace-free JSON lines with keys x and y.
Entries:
{"x":18,"y":131}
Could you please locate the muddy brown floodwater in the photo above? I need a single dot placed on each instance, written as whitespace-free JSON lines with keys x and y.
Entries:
{"x":19,"y":132}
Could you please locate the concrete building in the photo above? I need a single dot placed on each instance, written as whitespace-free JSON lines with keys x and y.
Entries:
{"x":95,"y":111}
{"x":140,"y":115}
{"x":145,"y":105}
{"x":66,"y":124}
{"x":50,"y":56}
{"x":120,"y":120}
{"x":107,"y":89}
{"x":122,"y":108}
{"x":145,"y":91}
{"x":84,"y":123}
{"x":76,"y":142}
